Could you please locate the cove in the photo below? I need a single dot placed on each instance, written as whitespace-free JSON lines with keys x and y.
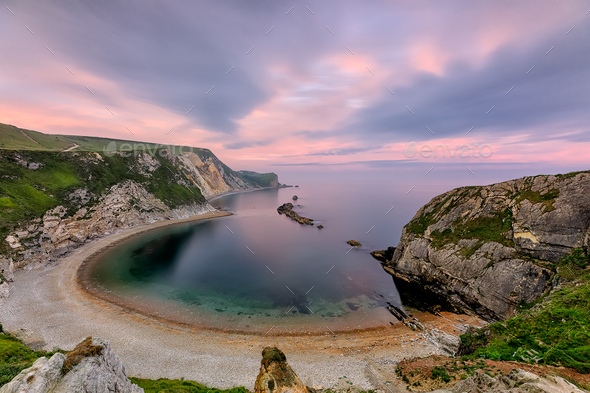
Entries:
{"x":257,"y":270}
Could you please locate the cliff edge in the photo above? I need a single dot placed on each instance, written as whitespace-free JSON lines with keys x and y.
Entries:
{"x":487,"y":249}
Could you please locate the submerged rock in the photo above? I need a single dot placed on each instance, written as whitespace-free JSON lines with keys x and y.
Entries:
{"x":354,"y":243}
{"x":287,"y":209}
{"x":91,"y":367}
{"x":295,"y":197}
{"x":276,"y":376}
{"x":484,"y":250}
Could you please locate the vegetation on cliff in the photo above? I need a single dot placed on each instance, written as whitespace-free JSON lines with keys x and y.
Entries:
{"x":164,"y":385}
{"x":15,"y":356}
{"x":256,"y":179}
{"x":32,"y":182}
{"x":554,"y":331}
{"x":487,"y":249}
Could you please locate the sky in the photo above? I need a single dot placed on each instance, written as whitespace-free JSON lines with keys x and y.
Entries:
{"x":501,"y":88}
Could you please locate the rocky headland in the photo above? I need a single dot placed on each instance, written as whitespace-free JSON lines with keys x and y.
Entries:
{"x":487,"y":249}
{"x":287,"y":209}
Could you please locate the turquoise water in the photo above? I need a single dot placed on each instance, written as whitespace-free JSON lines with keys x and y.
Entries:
{"x":258,"y":270}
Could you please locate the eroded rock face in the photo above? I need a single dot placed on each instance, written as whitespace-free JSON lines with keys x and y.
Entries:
{"x":124,"y":205}
{"x":92,"y":372}
{"x":275,"y":375}
{"x":486,"y":249}
{"x":517,"y":381}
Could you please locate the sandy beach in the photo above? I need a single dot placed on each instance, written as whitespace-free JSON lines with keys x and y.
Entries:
{"x":48,"y":309}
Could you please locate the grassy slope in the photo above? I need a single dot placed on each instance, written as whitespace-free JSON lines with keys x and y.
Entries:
{"x":15,"y":357}
{"x":26,"y":194}
{"x":555,"y":331}
{"x":12,"y":138}
{"x":164,"y":385}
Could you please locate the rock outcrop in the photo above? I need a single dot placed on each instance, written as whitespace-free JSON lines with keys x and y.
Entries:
{"x":287,"y":209}
{"x":276,"y":376}
{"x":486,"y":249}
{"x":517,"y":381}
{"x":92,"y":367}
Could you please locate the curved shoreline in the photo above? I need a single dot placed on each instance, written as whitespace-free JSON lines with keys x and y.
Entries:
{"x":47,"y":308}
{"x":86,"y":285}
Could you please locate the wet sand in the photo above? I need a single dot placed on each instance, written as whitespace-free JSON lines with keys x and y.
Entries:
{"x":47,"y":308}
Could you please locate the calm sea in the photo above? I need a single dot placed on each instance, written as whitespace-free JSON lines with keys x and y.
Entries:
{"x":258,"y":270}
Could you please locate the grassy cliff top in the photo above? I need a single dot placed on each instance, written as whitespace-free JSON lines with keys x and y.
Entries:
{"x":14,"y":138}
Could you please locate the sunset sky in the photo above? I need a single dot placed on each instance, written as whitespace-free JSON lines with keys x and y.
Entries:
{"x":278,"y":85}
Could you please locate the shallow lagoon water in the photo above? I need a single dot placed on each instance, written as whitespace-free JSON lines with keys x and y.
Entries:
{"x":258,"y":270}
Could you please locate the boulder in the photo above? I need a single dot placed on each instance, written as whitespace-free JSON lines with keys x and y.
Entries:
{"x":354,"y":243}
{"x":91,"y":367}
{"x":276,"y":376}
{"x":295,"y":197}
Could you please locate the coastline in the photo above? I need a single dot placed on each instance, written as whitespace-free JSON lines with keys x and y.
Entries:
{"x":47,"y":309}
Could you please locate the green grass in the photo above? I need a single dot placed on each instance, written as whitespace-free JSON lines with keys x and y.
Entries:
{"x":164,"y":385}
{"x":555,"y":331}
{"x":258,"y":179}
{"x":26,"y":194}
{"x":535,"y":197}
{"x":15,"y":357}
{"x":14,"y":138}
{"x":441,"y":373}
{"x":486,"y":229}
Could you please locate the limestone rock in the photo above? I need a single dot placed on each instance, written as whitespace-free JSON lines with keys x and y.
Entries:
{"x":483,"y":250}
{"x":276,"y":376}
{"x":97,"y":371}
{"x":517,"y":381}
{"x":446,"y":343}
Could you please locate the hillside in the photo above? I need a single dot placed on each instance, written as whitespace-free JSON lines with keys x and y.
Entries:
{"x":14,"y":138}
{"x":53,"y":198}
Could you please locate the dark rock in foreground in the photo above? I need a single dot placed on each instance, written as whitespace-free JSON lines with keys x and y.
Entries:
{"x":276,"y":376}
{"x":487,"y":249}
{"x":287,"y":209}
